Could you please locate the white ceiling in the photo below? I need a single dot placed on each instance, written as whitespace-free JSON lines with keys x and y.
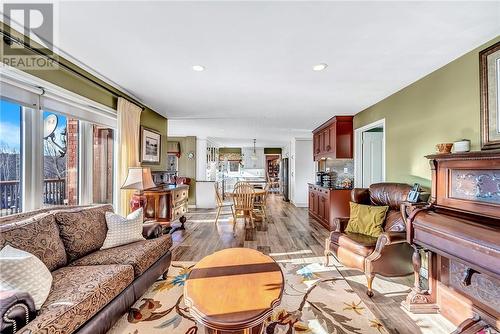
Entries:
{"x":258,"y":56}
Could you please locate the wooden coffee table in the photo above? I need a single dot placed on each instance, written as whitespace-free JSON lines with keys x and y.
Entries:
{"x":234,"y":291}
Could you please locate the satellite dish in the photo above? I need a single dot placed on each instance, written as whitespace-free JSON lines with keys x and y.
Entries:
{"x":49,"y":125}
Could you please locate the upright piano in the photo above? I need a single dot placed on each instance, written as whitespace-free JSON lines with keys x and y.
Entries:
{"x":459,"y":234}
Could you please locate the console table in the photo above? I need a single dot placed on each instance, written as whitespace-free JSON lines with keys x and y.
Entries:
{"x":167,"y":203}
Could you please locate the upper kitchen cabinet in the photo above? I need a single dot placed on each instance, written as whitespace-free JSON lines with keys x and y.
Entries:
{"x":334,"y":139}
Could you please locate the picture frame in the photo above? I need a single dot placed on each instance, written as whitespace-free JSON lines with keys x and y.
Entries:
{"x":150,"y":146}
{"x":489,"y":79}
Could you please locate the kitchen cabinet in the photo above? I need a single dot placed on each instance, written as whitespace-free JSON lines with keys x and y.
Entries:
{"x":334,"y":139}
{"x":326,"y":204}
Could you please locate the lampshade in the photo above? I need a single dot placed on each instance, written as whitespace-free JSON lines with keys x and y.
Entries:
{"x":138,"y":178}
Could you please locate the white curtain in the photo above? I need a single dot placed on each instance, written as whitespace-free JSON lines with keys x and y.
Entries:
{"x":129,"y":119}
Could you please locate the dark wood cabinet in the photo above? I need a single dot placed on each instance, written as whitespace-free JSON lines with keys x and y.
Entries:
{"x":326,"y":204}
{"x":334,"y":139}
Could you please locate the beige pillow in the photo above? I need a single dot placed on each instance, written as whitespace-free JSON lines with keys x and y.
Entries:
{"x":122,"y":231}
{"x":24,"y":272}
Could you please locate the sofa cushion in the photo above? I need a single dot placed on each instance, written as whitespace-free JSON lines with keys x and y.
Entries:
{"x":23,"y":271}
{"x":121,"y":230}
{"x":359,"y":244}
{"x":38,"y":235}
{"x":82,"y":230}
{"x":77,"y":294}
{"x":366,"y":219}
{"x":141,"y":254}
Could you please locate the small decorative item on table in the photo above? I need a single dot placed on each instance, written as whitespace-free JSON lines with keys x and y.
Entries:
{"x":461,"y":146}
{"x":444,"y":148}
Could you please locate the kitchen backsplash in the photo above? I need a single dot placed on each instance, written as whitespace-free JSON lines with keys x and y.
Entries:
{"x":343,"y":167}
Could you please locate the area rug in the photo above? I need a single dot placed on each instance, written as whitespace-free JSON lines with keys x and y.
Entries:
{"x":316,"y":299}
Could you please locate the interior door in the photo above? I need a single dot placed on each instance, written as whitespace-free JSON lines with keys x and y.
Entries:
{"x":372,"y":157}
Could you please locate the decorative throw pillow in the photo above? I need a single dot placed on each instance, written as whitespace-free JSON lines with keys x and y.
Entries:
{"x":24,"y":272}
{"x":366,"y":219}
{"x":122,"y":231}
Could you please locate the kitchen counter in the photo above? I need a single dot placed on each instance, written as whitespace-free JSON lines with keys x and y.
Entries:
{"x":326,"y":204}
{"x":328,"y":188}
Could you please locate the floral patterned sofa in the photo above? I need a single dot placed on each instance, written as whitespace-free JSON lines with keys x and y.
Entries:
{"x":91,"y":288}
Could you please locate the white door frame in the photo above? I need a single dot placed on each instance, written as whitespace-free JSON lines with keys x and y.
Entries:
{"x":358,"y":151}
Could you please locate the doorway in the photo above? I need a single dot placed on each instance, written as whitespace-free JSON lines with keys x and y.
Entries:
{"x":369,"y":154}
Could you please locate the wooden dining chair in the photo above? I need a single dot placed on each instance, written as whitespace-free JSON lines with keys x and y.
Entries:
{"x":260,"y":203}
{"x":221,"y":204}
{"x":243,"y":197}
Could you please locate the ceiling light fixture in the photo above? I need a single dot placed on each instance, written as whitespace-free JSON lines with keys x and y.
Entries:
{"x":320,"y":67}
{"x":198,"y":68}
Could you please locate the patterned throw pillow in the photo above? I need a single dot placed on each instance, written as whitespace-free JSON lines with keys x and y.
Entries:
{"x":24,"y":272}
{"x":122,"y":231}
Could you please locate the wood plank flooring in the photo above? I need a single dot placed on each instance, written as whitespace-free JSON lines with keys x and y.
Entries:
{"x":291,"y":235}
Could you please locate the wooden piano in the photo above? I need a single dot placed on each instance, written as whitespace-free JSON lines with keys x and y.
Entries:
{"x":459,"y":234}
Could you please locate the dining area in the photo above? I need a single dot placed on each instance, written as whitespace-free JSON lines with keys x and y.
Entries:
{"x":244,"y":201}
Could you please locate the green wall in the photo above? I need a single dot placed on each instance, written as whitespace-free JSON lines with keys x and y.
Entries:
{"x":272,"y":150}
{"x":443,"y":106}
{"x":236,"y":150}
{"x":187,"y":167}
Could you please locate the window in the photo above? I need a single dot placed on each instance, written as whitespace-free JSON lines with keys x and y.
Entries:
{"x":102,"y":180}
{"x":172,"y":162}
{"x":234,"y":166}
{"x":56,"y":147}
{"x":60,"y":159}
{"x":10,"y":158}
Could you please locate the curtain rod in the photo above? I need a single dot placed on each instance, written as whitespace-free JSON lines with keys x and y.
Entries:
{"x":7,"y":37}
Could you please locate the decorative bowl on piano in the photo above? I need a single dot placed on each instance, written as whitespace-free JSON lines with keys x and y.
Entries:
{"x":444,"y":148}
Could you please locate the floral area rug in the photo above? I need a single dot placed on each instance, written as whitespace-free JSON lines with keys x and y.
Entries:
{"x":316,"y":299}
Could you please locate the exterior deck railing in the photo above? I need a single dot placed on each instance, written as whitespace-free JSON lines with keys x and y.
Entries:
{"x":54,"y":193}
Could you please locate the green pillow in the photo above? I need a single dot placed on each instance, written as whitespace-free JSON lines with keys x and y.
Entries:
{"x":366,"y":219}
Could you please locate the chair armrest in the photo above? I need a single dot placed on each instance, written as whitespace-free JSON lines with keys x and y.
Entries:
{"x":390,"y":238}
{"x":151,"y":230}
{"x":384,"y":240}
{"x":339,"y":224}
{"x":17,"y":309}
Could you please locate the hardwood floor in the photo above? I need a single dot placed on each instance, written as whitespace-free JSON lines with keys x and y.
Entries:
{"x":291,"y":235}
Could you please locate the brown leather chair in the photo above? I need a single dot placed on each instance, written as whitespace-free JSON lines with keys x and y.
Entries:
{"x":389,"y":254}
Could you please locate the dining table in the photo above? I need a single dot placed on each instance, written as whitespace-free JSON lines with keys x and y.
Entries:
{"x":257,"y":192}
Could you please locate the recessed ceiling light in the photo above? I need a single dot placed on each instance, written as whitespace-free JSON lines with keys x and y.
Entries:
{"x":320,"y":67}
{"x":198,"y":68}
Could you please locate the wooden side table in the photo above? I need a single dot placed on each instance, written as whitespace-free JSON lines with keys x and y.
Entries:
{"x":234,"y":291}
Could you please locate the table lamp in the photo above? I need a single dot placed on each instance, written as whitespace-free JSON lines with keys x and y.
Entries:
{"x":138,"y":178}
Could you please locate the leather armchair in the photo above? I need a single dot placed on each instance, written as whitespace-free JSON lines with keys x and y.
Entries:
{"x":389,"y":254}
{"x":16,"y":310}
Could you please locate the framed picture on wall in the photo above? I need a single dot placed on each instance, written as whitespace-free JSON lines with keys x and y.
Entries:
{"x":489,"y":76}
{"x":150,"y":148}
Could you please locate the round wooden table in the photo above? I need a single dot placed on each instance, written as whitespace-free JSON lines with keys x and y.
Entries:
{"x":256,"y":192}
{"x":234,"y":291}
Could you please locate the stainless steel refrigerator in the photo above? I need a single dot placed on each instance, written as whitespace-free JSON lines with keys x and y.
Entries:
{"x":284,"y":178}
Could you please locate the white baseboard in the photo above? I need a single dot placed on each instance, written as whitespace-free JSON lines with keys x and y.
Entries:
{"x":192,"y":206}
{"x":300,"y":205}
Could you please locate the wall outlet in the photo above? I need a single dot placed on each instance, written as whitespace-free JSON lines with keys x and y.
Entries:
{"x":346,"y":170}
